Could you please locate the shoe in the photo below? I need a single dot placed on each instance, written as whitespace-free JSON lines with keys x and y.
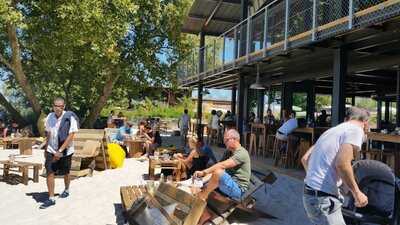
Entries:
{"x":64,"y":194}
{"x":47,"y":204}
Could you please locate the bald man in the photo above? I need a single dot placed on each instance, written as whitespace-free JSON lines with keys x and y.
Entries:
{"x":232,"y":174}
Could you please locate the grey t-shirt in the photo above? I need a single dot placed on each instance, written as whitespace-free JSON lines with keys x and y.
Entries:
{"x":321,"y":173}
{"x":242,"y":171}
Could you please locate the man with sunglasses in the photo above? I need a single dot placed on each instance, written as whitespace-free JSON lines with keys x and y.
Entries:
{"x":60,"y":128}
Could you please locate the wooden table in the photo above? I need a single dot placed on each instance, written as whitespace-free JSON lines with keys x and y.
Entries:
{"x":373,"y":136}
{"x":8,"y":141}
{"x":22,"y":166}
{"x":165,"y":164}
{"x":135,"y":147}
{"x":313,"y":131}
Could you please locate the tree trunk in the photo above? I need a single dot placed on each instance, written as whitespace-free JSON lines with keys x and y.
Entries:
{"x":14,"y":113}
{"x":16,"y":67}
{"x":102,"y":100}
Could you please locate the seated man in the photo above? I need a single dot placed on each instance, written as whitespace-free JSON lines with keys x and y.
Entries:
{"x":232,"y":174}
{"x":124,"y":132}
{"x":287,"y":128}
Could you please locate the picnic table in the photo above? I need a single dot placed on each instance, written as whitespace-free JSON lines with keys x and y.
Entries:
{"x":135,"y":147}
{"x":23,"y":167}
{"x":165,"y":164}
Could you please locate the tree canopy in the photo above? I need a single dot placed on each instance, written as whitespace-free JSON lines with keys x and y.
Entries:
{"x":90,"y":52}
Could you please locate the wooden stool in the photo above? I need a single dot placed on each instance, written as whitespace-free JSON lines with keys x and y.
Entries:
{"x":246,"y":139}
{"x":278,"y":143}
{"x":287,"y":157}
{"x":303,"y":148}
{"x":270,"y":144}
{"x":387,"y":157}
{"x":212,"y":136}
{"x":253,"y":144}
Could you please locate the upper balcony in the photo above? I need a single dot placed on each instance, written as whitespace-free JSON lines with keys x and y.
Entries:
{"x":278,"y":27}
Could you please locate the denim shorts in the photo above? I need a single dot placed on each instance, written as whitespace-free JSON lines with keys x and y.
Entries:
{"x":323,"y":210}
{"x":229,"y":187}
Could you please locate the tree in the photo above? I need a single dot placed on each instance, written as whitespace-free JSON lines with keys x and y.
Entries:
{"x":90,"y":52}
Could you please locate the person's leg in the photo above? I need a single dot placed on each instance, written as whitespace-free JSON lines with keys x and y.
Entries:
{"x":323,"y":210}
{"x":50,"y":184}
{"x":212,"y":184}
{"x":66,"y":167}
{"x":67,"y":181}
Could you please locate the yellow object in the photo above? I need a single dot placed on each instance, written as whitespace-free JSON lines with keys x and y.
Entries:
{"x":116,"y":155}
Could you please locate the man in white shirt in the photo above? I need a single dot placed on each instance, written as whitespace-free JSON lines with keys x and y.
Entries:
{"x":184,"y":124}
{"x":60,"y":128}
{"x":327,"y":163}
{"x":287,"y":128}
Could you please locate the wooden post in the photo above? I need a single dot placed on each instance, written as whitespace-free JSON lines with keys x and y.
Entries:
{"x":310,"y":99}
{"x":379,"y":112}
{"x":233,"y":104}
{"x":398,"y":98}
{"x":240,"y":106}
{"x":260,"y":104}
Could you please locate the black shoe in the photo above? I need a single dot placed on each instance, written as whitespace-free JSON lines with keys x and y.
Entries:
{"x":47,"y":204}
{"x":64,"y":194}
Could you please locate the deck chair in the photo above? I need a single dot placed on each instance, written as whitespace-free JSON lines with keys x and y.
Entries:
{"x":222,"y":206}
{"x":109,"y":133}
{"x":382,"y":188}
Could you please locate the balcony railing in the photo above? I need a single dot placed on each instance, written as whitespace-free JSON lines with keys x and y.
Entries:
{"x":282,"y":25}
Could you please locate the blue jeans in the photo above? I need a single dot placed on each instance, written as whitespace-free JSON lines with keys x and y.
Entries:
{"x":323,"y":210}
{"x":229,"y":187}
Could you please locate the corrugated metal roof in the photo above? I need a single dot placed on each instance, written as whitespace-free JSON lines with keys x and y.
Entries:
{"x":226,"y":16}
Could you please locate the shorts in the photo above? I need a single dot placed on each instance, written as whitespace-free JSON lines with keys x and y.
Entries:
{"x":61,"y":166}
{"x":229,"y":187}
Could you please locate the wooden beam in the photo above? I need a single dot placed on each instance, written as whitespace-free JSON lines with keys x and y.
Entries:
{"x":216,"y":19}
{"x":213,"y":13}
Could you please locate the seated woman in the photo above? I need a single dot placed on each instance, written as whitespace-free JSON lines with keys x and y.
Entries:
{"x":198,"y":158}
{"x":123,"y":133}
{"x":154,"y":143}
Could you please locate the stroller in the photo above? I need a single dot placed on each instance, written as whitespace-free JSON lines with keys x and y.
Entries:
{"x":377,"y":181}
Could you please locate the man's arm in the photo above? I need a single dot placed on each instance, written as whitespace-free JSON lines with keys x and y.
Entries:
{"x":229,"y":163}
{"x":67,"y":142}
{"x":345,"y":170}
{"x":306,"y":157}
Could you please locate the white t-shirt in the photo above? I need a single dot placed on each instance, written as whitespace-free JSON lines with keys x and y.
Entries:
{"x":215,"y":122}
{"x":184,"y":123}
{"x":52,"y":124}
{"x":288,"y":127}
{"x":321,"y":173}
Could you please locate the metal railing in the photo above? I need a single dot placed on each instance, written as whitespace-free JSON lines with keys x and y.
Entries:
{"x":282,"y":25}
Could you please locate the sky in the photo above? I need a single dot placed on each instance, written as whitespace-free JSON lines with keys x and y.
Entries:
{"x":215,"y":94}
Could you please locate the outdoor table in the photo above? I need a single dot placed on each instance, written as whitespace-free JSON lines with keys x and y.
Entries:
{"x":312,"y":131}
{"x":22,"y":166}
{"x":9,"y":141}
{"x":174,"y":164}
{"x":373,"y":136}
{"x":135,"y":146}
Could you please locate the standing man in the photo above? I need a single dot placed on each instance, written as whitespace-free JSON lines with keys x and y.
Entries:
{"x":184,"y":124}
{"x":60,"y":128}
{"x":327,"y":163}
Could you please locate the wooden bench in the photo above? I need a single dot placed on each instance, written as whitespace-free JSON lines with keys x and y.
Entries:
{"x":84,"y":159}
{"x":23,"y":167}
{"x":165,"y":164}
{"x":173,"y":206}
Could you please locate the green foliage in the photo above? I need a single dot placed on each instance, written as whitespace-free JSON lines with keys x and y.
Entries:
{"x":149,"y":108}
{"x":71,"y":48}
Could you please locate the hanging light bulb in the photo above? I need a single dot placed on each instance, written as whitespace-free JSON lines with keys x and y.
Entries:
{"x":257,"y":84}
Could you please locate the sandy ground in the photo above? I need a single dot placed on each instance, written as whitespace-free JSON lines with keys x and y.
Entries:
{"x":96,"y":200}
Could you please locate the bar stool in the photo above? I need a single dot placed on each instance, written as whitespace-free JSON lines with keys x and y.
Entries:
{"x":212,"y":136}
{"x":246,"y":139}
{"x":278,"y":143}
{"x":253,"y":144}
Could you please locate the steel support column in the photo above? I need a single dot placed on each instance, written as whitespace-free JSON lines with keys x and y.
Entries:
{"x":398,"y":98}
{"x":240,"y":106}
{"x":387,"y":106}
{"x":338,"y":92}
{"x":310,"y":99}
{"x":200,"y":87}
{"x":244,"y":13}
{"x":379,"y":112}
{"x":233,"y":104}
{"x":286,"y":96}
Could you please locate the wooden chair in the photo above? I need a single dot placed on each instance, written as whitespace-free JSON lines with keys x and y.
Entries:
{"x":253,"y":144}
{"x":171,"y":205}
{"x":220,"y":206}
{"x":303,"y":148}
{"x":83,"y":135}
{"x":84,"y":159}
{"x":109,"y":133}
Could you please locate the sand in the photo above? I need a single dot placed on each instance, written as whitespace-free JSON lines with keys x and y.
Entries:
{"x":96,"y":200}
